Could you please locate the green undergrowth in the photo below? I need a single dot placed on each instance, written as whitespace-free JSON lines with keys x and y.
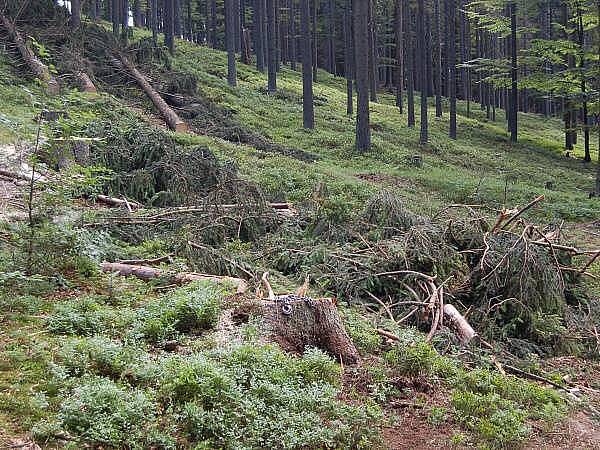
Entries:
{"x":499,"y":410}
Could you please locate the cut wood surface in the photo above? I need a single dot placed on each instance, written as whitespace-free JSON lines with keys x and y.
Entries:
{"x":39,"y":69}
{"x":459,"y":324}
{"x":113,"y":201}
{"x":170,"y":116}
{"x":147,"y":273}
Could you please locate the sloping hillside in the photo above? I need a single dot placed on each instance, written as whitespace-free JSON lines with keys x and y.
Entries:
{"x":90,"y":358}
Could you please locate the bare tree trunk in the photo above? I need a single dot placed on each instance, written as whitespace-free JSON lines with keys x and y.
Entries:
{"x":170,"y":116}
{"x":399,"y":38}
{"x":272,"y":47}
{"x":360,"y":11}
{"x":410,"y":66}
{"x":39,"y":69}
{"x":230,"y":37}
{"x":308,"y":112}
{"x":424,"y":135}
{"x":348,"y":56}
{"x":452,"y":66}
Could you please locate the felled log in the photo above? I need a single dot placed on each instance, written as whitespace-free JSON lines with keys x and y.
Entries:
{"x":85,"y":82}
{"x":459,"y":324}
{"x":39,"y":69}
{"x":113,"y":201}
{"x":170,"y":116}
{"x":148,"y":273}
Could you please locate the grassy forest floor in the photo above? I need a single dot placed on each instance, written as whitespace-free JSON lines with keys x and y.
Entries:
{"x":85,"y":357}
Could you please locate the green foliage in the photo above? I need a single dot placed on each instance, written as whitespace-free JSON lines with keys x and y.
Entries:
{"x":86,"y":316}
{"x":417,"y":360}
{"x":99,"y":412}
{"x":192,"y":308}
{"x":258,"y":397}
{"x":360,"y":329}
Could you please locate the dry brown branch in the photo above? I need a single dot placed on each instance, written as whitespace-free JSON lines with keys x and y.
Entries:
{"x":525,"y":208}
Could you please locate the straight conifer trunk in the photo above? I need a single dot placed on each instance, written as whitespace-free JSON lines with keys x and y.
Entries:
{"x":272,"y":39}
{"x":308,"y":113}
{"x":361,"y":14}
{"x":372,"y":52}
{"x":423,"y":75}
{"x":293,"y":52}
{"x":258,"y":38}
{"x":348,"y":56}
{"x":399,"y":37}
{"x":410,"y":66}
{"x":168,"y":25}
{"x":230,"y":37}
{"x":514,"y":96}
{"x":75,"y":20}
{"x":438,"y":60}
{"x":452,"y":65}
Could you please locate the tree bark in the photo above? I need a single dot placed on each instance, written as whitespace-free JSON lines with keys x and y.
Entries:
{"x":168,"y":20}
{"x":410,"y":66}
{"x":348,"y":56}
{"x":297,"y":323}
{"x":230,"y":37}
{"x":514,"y":96}
{"x":39,"y":69}
{"x":438,"y":60}
{"x":372,"y":52}
{"x":308,"y":112}
{"x":293,"y":52}
{"x":258,"y":37}
{"x":399,"y":38}
{"x":272,"y":40}
{"x":170,"y":116}
{"x":452,"y":66}
{"x":360,"y":11}
{"x":75,"y":20}
{"x":424,"y":135}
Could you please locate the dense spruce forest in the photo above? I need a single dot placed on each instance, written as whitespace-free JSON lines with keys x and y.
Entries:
{"x":299,"y":224}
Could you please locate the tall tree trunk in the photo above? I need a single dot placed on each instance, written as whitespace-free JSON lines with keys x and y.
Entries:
{"x":308,"y":113}
{"x":399,"y":38}
{"x":315,"y":43}
{"x":125,"y":21}
{"x":213,"y":23}
{"x":169,"y":30}
{"x":410,"y":65}
{"x":584,"y":110}
{"x":137,"y":13}
{"x":258,"y":37}
{"x":75,"y":20}
{"x":116,"y":16}
{"x":423,"y":137}
{"x":360,"y":11}
{"x":154,"y":20}
{"x":230,"y":37}
{"x":514,"y":96}
{"x":465,"y":55}
{"x":438,"y":60}
{"x":348,"y":56}
{"x":272,"y":40}
{"x":293,"y":38}
{"x":452,"y":66}
{"x":372,"y":52}
{"x":330,"y":37}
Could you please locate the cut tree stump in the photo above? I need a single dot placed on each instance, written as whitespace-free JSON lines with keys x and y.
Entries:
{"x":296,"y":323}
{"x":148,"y":273}
{"x":85,"y":82}
{"x":170,"y":116}
{"x":459,"y":324}
{"x":39,"y":69}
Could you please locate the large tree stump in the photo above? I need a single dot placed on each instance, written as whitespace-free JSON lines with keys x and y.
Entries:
{"x":297,"y":322}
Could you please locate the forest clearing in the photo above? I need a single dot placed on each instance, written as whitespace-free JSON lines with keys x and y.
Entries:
{"x":299,"y":224}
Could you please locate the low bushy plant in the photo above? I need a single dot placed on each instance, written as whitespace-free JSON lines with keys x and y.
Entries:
{"x":191,"y":308}
{"x":101,"y":413}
